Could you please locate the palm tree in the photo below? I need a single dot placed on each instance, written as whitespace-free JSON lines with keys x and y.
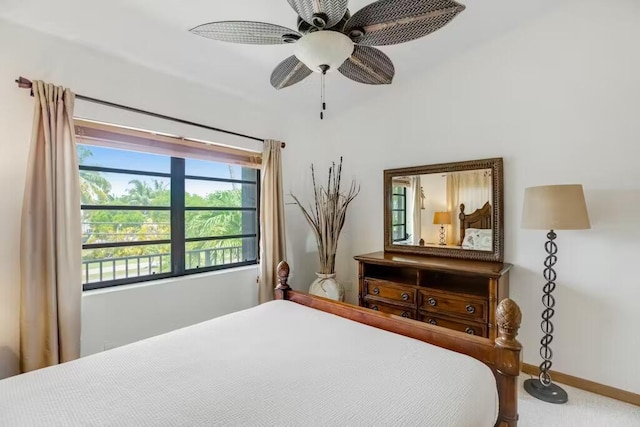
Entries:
{"x":141,"y":194}
{"x":159,"y":186}
{"x":212,"y":223}
{"x":217,"y":223}
{"x":94,"y":188}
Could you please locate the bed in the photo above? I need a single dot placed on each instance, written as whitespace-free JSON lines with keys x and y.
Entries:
{"x":299,"y":360}
{"x":476,"y":228}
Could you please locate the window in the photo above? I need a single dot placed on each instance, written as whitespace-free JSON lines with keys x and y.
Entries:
{"x":399,"y":213}
{"x":148,"y":216}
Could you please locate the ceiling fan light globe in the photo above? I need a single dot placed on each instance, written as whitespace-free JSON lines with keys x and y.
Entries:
{"x":322,"y":48}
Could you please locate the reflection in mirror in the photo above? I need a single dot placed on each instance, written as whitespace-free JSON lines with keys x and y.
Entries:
{"x":451,"y":210}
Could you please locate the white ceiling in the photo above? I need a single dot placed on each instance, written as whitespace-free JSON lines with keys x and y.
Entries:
{"x":155,"y":33}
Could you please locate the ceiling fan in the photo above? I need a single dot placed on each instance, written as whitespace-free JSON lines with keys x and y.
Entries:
{"x":329,"y":38}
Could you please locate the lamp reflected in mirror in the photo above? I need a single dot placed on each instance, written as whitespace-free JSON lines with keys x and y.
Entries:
{"x":442,"y":219}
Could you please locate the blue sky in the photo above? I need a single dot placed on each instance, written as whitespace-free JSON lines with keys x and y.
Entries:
{"x":110,"y":158}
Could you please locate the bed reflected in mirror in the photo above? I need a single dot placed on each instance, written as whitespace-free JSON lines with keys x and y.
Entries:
{"x":449,"y":207}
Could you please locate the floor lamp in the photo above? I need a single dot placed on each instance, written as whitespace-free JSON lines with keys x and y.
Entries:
{"x":552,"y":207}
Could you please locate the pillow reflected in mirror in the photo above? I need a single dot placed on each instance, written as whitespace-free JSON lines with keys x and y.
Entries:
{"x":478,"y":240}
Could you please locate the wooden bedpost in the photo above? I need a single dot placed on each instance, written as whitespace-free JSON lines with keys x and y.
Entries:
{"x":508,"y":361}
{"x":283,"y":279}
{"x":463,"y":226}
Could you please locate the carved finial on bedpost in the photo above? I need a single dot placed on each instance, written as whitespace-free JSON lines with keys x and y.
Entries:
{"x":283,"y":279}
{"x":508,"y":318}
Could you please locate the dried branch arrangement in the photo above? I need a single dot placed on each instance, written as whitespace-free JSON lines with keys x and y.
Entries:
{"x":328,"y":215}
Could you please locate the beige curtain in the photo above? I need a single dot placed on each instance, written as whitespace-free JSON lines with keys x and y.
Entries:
{"x":272,"y":237}
{"x":471,"y":188}
{"x":50,"y":257}
{"x":415,"y":210}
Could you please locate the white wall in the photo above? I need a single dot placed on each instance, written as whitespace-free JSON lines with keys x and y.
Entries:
{"x":111,"y":318}
{"x":559,"y":99}
{"x":118,"y":316}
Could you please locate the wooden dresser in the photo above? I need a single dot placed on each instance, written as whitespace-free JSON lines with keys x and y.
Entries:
{"x":452,"y":293}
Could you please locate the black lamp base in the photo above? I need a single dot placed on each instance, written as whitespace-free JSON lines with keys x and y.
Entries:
{"x":551,"y":394}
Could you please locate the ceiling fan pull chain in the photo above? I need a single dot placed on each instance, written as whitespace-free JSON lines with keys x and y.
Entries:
{"x":322,"y":103}
{"x":323,"y":89}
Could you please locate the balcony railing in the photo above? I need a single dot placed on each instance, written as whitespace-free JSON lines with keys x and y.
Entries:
{"x":100,"y":270}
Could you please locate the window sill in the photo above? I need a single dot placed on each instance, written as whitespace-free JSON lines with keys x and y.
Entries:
{"x":170,"y":280}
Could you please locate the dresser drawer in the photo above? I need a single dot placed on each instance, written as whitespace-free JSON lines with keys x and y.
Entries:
{"x":390,"y":309}
{"x":390,"y":291}
{"x":457,"y":325}
{"x":458,"y":305}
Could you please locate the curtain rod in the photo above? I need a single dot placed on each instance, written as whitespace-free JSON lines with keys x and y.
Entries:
{"x":24,"y":83}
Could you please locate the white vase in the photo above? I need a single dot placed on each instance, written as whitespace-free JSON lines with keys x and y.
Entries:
{"x":327,"y":286}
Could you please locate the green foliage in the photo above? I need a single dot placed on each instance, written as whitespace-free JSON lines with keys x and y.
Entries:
{"x":94,"y":188}
{"x":106,"y":226}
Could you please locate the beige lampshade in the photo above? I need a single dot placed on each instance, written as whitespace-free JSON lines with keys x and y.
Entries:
{"x":442,"y":218}
{"x":555,"y":207}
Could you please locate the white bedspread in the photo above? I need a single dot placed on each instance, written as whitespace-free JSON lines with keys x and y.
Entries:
{"x":277,"y":364}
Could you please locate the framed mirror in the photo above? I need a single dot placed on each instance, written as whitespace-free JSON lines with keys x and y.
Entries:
{"x":452,"y":210}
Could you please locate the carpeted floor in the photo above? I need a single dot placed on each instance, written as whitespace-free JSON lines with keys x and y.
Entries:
{"x":584,"y":409}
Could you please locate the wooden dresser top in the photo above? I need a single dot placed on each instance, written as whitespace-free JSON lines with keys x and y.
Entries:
{"x":451,"y":265}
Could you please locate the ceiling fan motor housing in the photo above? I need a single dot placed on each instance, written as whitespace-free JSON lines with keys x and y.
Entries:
{"x":319,"y":20}
{"x":290,"y":38}
{"x":356,"y":34}
{"x":305,"y":27}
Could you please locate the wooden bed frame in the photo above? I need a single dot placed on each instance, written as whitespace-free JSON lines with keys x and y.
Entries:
{"x":501,"y":355}
{"x":480,"y":219}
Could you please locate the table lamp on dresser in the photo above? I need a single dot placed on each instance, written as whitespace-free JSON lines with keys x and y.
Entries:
{"x":551,"y":207}
{"x":442,"y":219}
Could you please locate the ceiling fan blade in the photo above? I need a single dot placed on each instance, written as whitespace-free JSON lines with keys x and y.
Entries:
{"x":387,"y":22}
{"x":289,"y":72}
{"x":247,"y":32}
{"x":330,"y":10}
{"x":368,"y":65}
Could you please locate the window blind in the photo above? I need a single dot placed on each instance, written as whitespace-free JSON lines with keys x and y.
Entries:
{"x":123,"y":138}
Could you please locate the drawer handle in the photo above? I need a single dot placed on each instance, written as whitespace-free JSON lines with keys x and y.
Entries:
{"x":376,"y":290}
{"x":405,"y":296}
{"x":405,"y":315}
{"x":375,"y":308}
{"x":470,"y":331}
{"x":471,"y":309}
{"x":432,"y":302}
{"x":433,"y":322}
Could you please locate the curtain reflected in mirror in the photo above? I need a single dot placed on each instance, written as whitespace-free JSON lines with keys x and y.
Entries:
{"x":473,"y":190}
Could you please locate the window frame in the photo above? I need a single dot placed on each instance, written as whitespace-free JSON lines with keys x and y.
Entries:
{"x":177,"y":210}
{"x":403,"y":209}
